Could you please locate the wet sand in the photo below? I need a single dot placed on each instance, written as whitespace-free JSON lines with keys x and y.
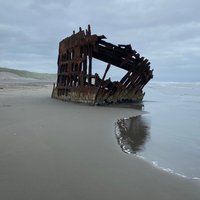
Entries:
{"x":55,"y":150}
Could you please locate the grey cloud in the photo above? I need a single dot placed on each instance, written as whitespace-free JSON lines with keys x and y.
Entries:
{"x":166,"y":32}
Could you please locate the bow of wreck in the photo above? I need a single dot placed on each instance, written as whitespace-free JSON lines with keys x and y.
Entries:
{"x":75,"y":78}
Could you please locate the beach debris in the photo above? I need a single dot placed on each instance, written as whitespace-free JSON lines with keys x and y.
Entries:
{"x":75,"y":78}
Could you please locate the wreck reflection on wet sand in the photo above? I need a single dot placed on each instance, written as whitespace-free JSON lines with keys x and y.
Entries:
{"x":132,"y":134}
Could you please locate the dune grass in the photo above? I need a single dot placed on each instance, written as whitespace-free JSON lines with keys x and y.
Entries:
{"x":28,"y":74}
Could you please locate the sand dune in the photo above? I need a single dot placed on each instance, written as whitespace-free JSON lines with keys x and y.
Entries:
{"x":10,"y":78}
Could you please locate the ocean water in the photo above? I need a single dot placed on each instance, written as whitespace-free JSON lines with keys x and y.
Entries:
{"x":168,"y":135}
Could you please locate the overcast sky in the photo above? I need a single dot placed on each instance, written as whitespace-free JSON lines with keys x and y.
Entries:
{"x":167,"y":32}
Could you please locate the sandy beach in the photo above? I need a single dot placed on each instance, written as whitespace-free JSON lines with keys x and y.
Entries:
{"x":55,"y":150}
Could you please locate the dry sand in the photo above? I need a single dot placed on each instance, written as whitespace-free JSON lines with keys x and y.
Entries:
{"x":55,"y":150}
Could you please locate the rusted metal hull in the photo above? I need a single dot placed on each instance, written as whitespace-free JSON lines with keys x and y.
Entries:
{"x":76,"y":82}
{"x":89,"y":95}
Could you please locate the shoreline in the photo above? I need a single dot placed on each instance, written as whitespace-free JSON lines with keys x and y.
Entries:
{"x":56,"y":150}
{"x":167,"y":170}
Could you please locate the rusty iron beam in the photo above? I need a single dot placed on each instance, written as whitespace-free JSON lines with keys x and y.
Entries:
{"x":100,"y":85}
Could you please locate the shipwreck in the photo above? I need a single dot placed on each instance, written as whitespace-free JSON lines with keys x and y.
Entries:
{"x":75,"y":78}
